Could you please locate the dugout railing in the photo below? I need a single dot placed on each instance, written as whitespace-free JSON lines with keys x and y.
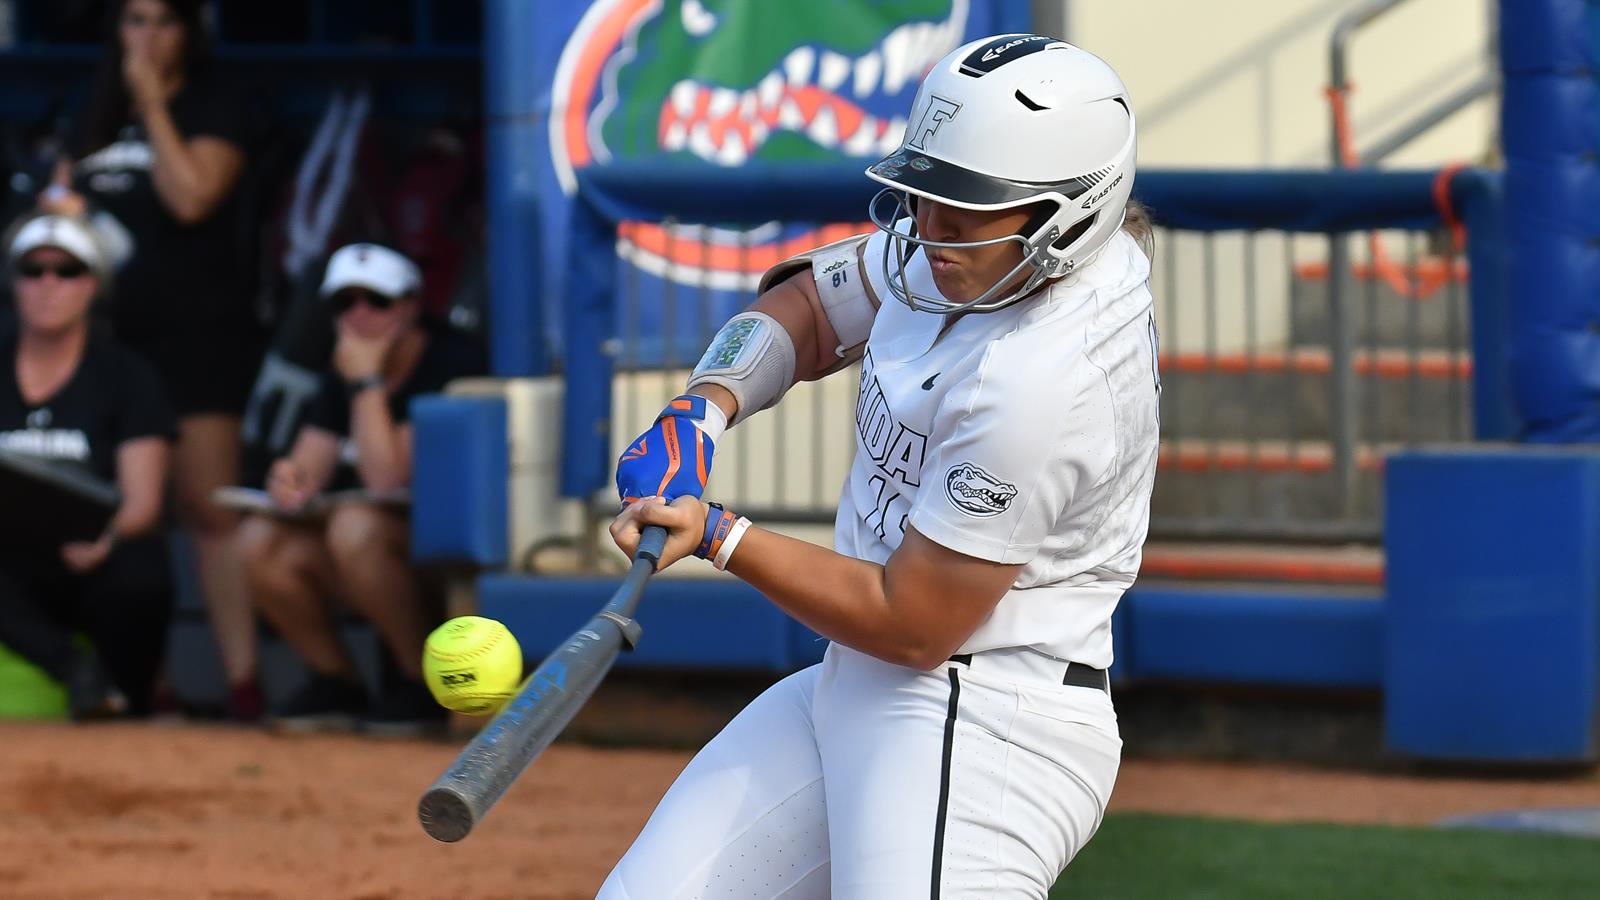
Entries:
{"x":1286,"y":382}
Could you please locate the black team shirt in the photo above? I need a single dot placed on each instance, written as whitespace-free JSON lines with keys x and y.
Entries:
{"x":113,"y":397}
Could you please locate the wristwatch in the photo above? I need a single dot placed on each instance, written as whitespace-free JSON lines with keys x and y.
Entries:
{"x":355,"y":386}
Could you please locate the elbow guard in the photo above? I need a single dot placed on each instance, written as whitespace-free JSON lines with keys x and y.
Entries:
{"x":841,"y":283}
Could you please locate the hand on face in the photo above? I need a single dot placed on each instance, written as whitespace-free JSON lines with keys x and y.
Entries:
{"x":142,"y":75}
{"x":360,"y":353}
{"x":152,"y":38}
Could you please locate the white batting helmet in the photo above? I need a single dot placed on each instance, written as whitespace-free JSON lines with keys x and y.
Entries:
{"x":1005,"y":122}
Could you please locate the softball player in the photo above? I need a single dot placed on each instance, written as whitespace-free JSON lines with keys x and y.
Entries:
{"x":958,"y":738}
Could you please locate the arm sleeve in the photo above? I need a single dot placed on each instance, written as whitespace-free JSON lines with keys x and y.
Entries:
{"x":141,"y":404}
{"x":1010,"y":451}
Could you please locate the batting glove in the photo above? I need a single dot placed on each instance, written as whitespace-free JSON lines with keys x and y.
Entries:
{"x":673,"y":458}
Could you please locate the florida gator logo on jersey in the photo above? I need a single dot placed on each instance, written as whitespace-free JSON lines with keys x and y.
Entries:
{"x":976,"y":492}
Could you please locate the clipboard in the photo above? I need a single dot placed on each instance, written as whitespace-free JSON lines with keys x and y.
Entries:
{"x":258,"y":502}
{"x":45,"y":505}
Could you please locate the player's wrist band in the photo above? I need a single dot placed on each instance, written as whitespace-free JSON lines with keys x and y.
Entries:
{"x":355,"y":386}
{"x":706,"y":416}
{"x":729,"y":543}
{"x":719,"y":522}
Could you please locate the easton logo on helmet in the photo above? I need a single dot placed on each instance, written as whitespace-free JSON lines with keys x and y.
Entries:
{"x":998,"y":52}
{"x":1103,"y":191}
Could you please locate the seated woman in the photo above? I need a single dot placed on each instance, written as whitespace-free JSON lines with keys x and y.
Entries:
{"x":357,"y":436}
{"x":73,"y":397}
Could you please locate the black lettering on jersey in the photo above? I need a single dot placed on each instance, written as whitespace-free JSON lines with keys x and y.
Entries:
{"x":899,"y":451}
{"x":884,"y":498}
{"x":875,"y":430}
{"x":906,"y":452}
{"x":1000,"y":51}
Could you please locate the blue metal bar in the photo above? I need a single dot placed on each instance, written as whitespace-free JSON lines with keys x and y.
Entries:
{"x":589,"y":319}
{"x":1478,"y":199}
{"x":517,"y":332}
{"x":1286,"y":200}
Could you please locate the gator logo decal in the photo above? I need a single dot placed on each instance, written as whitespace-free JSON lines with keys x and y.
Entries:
{"x":731,"y":81}
{"x":976,"y":492}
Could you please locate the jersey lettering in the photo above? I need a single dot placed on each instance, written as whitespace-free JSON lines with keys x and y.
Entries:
{"x":886,"y":497}
{"x":906,"y":452}
{"x":897,"y":451}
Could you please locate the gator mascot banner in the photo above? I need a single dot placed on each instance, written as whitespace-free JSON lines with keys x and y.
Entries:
{"x":725,"y":83}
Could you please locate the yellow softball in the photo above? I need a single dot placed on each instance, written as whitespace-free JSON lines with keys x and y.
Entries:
{"x":472,"y":665}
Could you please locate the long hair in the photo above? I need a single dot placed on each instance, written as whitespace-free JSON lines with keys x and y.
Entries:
{"x":110,"y":103}
{"x":1141,"y":227}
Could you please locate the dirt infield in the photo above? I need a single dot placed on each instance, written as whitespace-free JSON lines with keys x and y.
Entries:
{"x":164,"y":810}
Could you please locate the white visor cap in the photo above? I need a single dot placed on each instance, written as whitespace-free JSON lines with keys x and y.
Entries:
{"x":63,"y":233}
{"x":370,"y":266}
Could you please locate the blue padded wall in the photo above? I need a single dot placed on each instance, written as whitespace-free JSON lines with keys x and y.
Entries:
{"x":1492,"y":627}
{"x":1251,"y":636}
{"x":461,"y":460}
{"x":688,"y":623}
{"x":1550,"y":125}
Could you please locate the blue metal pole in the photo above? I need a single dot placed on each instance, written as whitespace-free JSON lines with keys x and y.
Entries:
{"x":1481,"y":206}
{"x":516,"y":309}
{"x":588,"y":313}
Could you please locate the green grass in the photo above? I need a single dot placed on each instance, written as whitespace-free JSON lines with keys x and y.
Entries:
{"x":1148,"y":856}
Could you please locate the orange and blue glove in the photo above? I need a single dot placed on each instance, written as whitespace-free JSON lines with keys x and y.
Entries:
{"x":673,"y":458}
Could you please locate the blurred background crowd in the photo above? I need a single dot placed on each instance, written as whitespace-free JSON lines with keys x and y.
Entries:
{"x":177,"y":325}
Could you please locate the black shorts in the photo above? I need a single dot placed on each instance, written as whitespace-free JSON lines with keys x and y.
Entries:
{"x":206,"y":370}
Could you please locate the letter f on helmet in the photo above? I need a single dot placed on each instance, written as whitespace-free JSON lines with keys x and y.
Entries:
{"x":938,"y":111}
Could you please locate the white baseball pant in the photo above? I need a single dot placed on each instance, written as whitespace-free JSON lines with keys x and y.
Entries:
{"x":857,"y":779}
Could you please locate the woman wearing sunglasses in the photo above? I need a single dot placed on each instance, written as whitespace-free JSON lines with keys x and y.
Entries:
{"x":72,"y":397}
{"x":357,"y":435}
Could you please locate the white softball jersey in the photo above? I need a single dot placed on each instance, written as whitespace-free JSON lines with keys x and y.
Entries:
{"x":1025,"y":435}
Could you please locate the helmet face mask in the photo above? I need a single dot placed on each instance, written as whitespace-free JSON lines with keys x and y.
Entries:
{"x":1004,"y":123}
{"x":904,"y":241}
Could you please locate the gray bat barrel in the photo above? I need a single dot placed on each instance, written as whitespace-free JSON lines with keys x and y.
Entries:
{"x":543,"y":706}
